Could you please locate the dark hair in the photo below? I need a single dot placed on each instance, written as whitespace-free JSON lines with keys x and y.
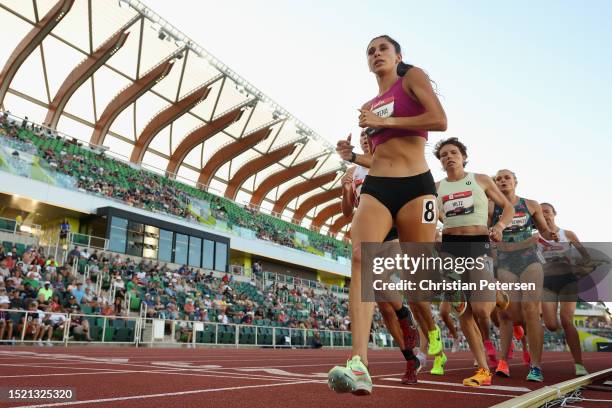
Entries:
{"x":451,"y":141}
{"x":402,"y":67}
{"x":551,"y":206}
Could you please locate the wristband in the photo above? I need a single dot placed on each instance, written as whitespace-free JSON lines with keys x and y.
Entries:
{"x":353,"y":157}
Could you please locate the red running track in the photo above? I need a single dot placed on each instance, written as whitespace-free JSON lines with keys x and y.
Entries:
{"x":208,"y":377}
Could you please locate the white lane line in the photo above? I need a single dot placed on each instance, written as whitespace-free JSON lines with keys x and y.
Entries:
{"x":161,"y":395}
{"x":444,"y":391}
{"x":484,"y":387}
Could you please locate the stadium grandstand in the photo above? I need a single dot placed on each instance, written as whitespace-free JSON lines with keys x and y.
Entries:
{"x":151,"y":196}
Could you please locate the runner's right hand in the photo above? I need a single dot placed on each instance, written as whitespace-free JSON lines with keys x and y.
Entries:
{"x":344,"y":148}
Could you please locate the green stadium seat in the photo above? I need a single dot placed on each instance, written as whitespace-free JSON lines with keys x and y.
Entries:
{"x":124,"y":335}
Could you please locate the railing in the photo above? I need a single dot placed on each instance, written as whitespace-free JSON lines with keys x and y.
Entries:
{"x":280,"y":278}
{"x":13,"y":227}
{"x":88,"y":241}
{"x":80,"y":328}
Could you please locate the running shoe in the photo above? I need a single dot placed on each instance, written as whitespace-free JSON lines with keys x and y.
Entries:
{"x":502,"y":300}
{"x":410,"y":376}
{"x":518,"y":332}
{"x":502,"y":369}
{"x":475,"y":363}
{"x":580,"y":370}
{"x":535,"y":374}
{"x":353,"y":378}
{"x":422,"y":360}
{"x":491,"y":353}
{"x":526,"y":357}
{"x":438,"y":365}
{"x":456,"y":344}
{"x":482,"y":377}
{"x":435,"y":342}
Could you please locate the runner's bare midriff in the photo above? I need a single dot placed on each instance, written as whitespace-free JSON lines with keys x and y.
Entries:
{"x":399,"y":157}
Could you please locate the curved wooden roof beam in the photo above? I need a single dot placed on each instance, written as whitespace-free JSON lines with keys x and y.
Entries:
{"x":301,"y":188}
{"x":126,"y":97}
{"x":325,"y":214}
{"x":228,"y":152}
{"x":313,"y":201}
{"x":278,"y":178}
{"x":29,"y":43}
{"x":339,"y":224}
{"x":252,"y":167}
{"x":199,"y":135}
{"x":164,"y":118}
{"x":80,"y":74}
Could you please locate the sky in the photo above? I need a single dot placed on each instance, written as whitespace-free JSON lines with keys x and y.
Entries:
{"x":526,"y":86}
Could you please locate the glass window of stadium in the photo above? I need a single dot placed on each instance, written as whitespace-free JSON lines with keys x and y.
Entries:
{"x":195,"y":251}
{"x":151,"y":242}
{"x":220,"y":256}
{"x":208,"y":254}
{"x":165,"y":245}
{"x":181,"y":248}
{"x":117,"y":238}
{"x":135,"y":238}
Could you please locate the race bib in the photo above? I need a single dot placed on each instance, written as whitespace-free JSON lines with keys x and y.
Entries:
{"x":518,"y":221}
{"x":384,"y":107}
{"x":461,"y":203}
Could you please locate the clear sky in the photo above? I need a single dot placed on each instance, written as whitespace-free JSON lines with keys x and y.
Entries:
{"x":526,"y":85}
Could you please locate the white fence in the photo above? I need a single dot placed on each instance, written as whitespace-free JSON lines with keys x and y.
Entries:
{"x":35,"y":327}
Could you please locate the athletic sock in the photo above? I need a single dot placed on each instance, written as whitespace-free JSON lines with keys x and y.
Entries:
{"x":408,"y":354}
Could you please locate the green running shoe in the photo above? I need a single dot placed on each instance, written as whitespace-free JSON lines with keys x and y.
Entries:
{"x":435,"y":342}
{"x":535,"y":374}
{"x":580,"y":370}
{"x":353,"y":378}
{"x":438,"y":365}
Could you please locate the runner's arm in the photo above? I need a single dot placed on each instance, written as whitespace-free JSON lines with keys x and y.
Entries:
{"x":573,"y":238}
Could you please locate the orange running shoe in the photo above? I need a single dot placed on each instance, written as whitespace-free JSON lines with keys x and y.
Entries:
{"x":482,"y":377}
{"x":502,"y":369}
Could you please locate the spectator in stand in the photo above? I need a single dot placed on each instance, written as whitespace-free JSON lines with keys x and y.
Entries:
{"x":46,"y":291}
{"x":88,"y":296}
{"x":64,"y":230}
{"x":31,"y":321}
{"x":189,"y":309}
{"x":29,"y":292}
{"x":6,"y":323}
{"x":107,"y":309}
{"x":118,"y":306}
{"x":222,"y":318}
{"x":78,"y":292}
{"x":54,"y":322}
{"x":74,"y":254}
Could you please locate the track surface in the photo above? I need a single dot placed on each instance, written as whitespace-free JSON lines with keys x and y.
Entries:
{"x":205,"y":377}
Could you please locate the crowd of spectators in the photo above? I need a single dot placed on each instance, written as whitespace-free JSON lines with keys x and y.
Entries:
{"x":30,"y":280}
{"x":97,"y":173}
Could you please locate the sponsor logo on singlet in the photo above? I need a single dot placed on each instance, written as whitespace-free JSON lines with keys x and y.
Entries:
{"x":461,"y":203}
{"x":384,"y":107}
{"x":519,"y":221}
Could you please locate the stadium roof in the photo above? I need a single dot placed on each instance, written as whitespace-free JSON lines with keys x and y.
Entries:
{"x":116,"y":74}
